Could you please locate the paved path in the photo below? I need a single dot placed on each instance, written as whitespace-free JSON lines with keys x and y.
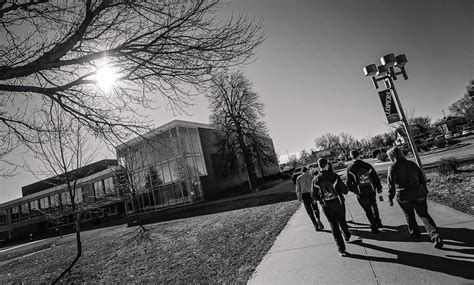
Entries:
{"x":300,"y":255}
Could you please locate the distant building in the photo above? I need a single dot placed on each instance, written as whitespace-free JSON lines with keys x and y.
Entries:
{"x":451,"y":124}
{"x":44,"y":204}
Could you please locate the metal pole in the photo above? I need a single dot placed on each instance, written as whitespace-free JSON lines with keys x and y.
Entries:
{"x":406,"y":125}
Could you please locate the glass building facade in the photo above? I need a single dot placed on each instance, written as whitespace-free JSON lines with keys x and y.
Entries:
{"x":164,"y":169}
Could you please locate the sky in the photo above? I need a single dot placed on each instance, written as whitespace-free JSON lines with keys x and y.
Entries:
{"x":308,"y":72}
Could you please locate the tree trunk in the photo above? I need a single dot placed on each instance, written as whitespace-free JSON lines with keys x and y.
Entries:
{"x":135,"y":206}
{"x":78,"y":251}
{"x":248,"y":159}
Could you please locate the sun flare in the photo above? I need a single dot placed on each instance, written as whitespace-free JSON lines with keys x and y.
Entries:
{"x":106,"y":78}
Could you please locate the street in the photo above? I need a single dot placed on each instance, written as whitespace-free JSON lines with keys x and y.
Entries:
{"x":462,"y":153}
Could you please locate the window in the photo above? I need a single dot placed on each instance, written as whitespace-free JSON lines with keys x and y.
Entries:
{"x":34,"y":207}
{"x":191,"y":166}
{"x":156,"y":176}
{"x":99,"y":188}
{"x":200,"y":165}
{"x":174,"y":170}
{"x":54,"y":200}
{"x":166,"y":172}
{"x":25,"y":211}
{"x":195,"y":142}
{"x":185,"y":140}
{"x":109,"y":186}
{"x":139,"y":180}
{"x":44,"y":203}
{"x":65,"y":198}
{"x":15,"y":214}
{"x":78,"y":198}
{"x":3,"y":217}
{"x":175,"y":143}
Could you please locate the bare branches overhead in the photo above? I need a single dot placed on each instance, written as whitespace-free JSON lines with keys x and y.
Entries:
{"x":51,"y":53}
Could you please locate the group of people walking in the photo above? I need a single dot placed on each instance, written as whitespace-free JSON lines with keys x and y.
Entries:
{"x":406,"y":184}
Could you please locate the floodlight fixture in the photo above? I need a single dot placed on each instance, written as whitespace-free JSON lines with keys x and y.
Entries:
{"x":370,"y":70}
{"x":388,"y":60}
{"x":400,"y":60}
{"x":382,"y":70}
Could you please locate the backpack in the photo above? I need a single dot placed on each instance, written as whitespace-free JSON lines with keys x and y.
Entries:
{"x":364,"y":183}
{"x":328,"y":191}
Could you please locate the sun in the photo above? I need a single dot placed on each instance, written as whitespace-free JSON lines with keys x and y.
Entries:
{"x":106,"y":78}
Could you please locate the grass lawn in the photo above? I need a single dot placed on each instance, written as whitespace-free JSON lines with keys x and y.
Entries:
{"x":223,"y":247}
{"x":455,"y":190}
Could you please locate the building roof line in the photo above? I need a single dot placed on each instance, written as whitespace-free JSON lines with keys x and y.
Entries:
{"x":57,"y":188}
{"x":163,"y":128}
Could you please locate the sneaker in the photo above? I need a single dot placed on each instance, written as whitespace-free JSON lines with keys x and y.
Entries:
{"x":343,"y":253}
{"x":320,"y":225}
{"x":438,"y":242}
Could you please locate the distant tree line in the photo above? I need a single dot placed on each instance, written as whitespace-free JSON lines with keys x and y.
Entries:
{"x":341,"y":144}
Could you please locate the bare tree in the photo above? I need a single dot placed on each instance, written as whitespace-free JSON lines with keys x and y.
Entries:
{"x":327,"y":141}
{"x":306,"y":157}
{"x":293,"y":160}
{"x":130,"y":159}
{"x":57,"y":53}
{"x":421,"y":121}
{"x":464,"y":107}
{"x":236,"y":115}
{"x":63,"y":149}
{"x":341,"y":144}
{"x":347,"y":142}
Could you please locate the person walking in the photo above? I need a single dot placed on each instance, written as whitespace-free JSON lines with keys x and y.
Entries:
{"x":408,"y":185}
{"x":363,"y":180}
{"x":303,"y":192}
{"x":328,"y":188}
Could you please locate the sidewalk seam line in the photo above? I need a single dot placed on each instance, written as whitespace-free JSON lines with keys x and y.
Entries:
{"x":371,"y":266}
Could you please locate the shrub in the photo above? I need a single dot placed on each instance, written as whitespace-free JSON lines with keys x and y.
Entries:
{"x":427,"y":145}
{"x":448,"y":166}
{"x":452,"y":142}
{"x":382,"y":156}
{"x":440,"y":143}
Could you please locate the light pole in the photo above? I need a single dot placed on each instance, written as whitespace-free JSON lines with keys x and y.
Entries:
{"x":386,"y":73}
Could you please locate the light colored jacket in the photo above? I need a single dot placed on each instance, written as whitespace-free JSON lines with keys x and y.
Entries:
{"x":304,"y":183}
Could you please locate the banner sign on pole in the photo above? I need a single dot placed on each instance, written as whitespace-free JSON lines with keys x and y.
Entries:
{"x":389,"y":107}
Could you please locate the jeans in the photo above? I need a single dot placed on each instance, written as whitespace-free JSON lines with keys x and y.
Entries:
{"x":369,"y":204}
{"x":421,"y":208}
{"x":336,"y":215}
{"x":311,"y":207}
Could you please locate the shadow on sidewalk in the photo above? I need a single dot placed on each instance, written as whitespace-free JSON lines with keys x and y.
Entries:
{"x":458,"y":237}
{"x":454,"y":267}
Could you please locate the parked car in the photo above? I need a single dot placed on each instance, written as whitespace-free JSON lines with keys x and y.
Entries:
{"x":467,"y":132}
{"x":457,"y":134}
{"x":448,"y":136}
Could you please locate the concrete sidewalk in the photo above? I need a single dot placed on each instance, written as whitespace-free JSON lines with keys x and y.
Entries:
{"x":300,"y":255}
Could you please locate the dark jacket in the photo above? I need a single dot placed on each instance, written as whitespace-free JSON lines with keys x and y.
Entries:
{"x":406,"y":180}
{"x":352,"y":180}
{"x":332,"y":178}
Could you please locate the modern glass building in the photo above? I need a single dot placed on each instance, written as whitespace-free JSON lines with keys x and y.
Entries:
{"x":164,"y":167}
{"x":179,"y":163}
